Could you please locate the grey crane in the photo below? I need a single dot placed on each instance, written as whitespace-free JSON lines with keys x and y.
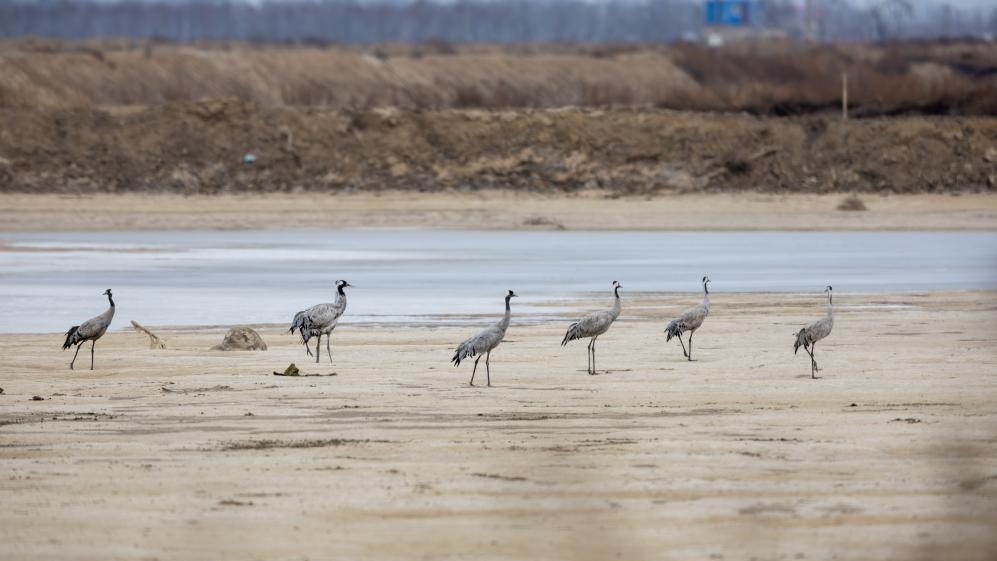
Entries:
{"x":90,"y":330}
{"x":813,"y":332}
{"x":690,"y":320}
{"x":594,"y":325}
{"x":484,"y":342}
{"x":320,"y":320}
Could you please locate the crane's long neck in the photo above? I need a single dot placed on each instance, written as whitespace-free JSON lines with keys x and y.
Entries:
{"x":706,"y":295}
{"x":508,"y":314}
{"x":341,"y":297}
{"x":109,"y":313}
{"x":830,"y":308}
{"x":616,"y":302}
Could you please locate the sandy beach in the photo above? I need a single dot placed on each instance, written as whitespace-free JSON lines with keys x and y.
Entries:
{"x":197,"y":454}
{"x":590,"y":210}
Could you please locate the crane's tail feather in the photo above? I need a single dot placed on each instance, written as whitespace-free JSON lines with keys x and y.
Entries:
{"x":674,"y":329}
{"x":71,"y":338}
{"x":298,"y":322}
{"x":463,"y":351}
{"x":801,"y":341}
{"x":571,"y":334}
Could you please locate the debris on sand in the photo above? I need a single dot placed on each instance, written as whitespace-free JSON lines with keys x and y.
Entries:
{"x":268,"y":444}
{"x":852,"y":203}
{"x":1,"y":391}
{"x":241,"y":339}
{"x":291,"y":370}
{"x":155,"y":342}
{"x":37,"y":398}
{"x":499,"y":477}
{"x":974,"y":484}
{"x":543,"y":221}
{"x":908,"y":420}
{"x":233,"y":502}
{"x":199,"y":391}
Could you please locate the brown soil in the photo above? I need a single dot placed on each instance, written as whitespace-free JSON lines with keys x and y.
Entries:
{"x":198,"y":147}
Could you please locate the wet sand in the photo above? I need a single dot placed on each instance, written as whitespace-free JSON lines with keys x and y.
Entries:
{"x":194,"y":454}
{"x":589,"y":210}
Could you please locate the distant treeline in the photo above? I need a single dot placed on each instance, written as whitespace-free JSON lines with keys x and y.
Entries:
{"x":463,"y":21}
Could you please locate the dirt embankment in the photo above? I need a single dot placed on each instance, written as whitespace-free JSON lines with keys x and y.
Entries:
{"x":199,"y":147}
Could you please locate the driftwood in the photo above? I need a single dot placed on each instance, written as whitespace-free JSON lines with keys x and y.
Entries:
{"x":154,"y":341}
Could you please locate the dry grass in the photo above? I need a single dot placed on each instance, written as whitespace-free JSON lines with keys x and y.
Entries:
{"x":776,"y":77}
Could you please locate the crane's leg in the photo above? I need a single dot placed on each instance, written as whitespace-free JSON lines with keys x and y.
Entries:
{"x":74,"y":355}
{"x":593,"y":356}
{"x":307,"y":348}
{"x":327,"y":349}
{"x":588,"y":356}
{"x":813,"y":351}
{"x":475,"y":369}
{"x":813,"y":363}
{"x":685,"y":354}
{"x":318,"y":348}
{"x":690,"y":345}
{"x":92,"y":343}
{"x":488,"y":368}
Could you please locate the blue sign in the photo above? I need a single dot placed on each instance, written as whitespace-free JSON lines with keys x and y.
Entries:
{"x":736,"y":13}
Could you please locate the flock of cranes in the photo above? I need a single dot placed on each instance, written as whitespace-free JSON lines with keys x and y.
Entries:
{"x":322,"y":319}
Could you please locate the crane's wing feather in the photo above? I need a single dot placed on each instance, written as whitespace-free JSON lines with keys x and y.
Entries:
{"x":93,"y":328}
{"x":690,"y":319}
{"x":482,"y":342}
{"x":317,"y":317}
{"x":813,"y":332}
{"x":589,"y":326}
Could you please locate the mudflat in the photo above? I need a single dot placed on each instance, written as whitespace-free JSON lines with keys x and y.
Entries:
{"x":198,"y":454}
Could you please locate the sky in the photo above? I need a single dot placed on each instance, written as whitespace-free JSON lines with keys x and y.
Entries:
{"x":916,"y":3}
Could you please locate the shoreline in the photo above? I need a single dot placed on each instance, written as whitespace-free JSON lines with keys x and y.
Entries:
{"x":495,"y":210}
{"x":640,"y":307}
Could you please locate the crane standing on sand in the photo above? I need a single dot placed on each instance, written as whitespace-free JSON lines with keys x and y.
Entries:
{"x":90,"y":330}
{"x":320,"y":320}
{"x":594,"y":325}
{"x":813,"y":332}
{"x":690,"y":320}
{"x":484,"y":342}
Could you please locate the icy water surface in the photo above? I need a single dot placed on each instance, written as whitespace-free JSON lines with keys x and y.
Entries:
{"x":49,"y":281}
